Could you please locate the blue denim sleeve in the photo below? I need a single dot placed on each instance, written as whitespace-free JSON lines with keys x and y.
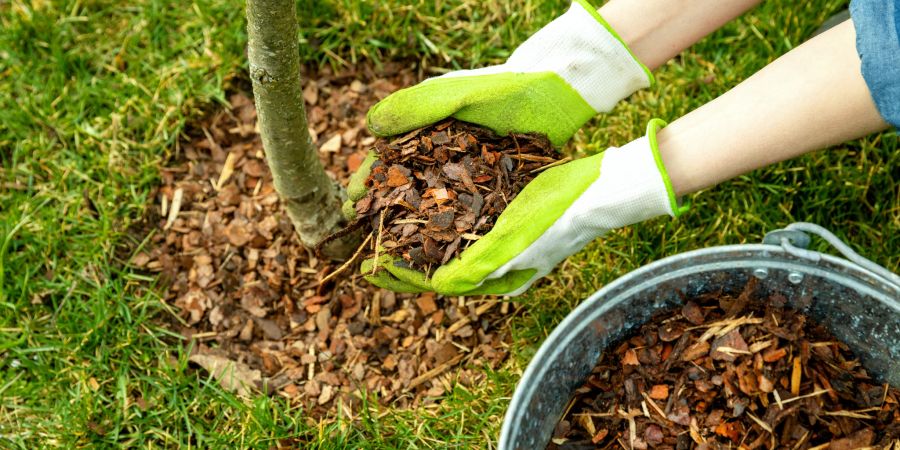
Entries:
{"x":877,"y":25}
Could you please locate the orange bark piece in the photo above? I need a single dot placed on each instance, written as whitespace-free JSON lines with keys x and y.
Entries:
{"x":659,"y":392}
{"x":630,"y":358}
{"x":396,"y":178}
{"x":355,"y":160}
{"x":666,"y":351}
{"x":774,"y":355}
{"x":730,"y":430}
{"x":796,"y":376}
{"x":695,"y":351}
{"x":426,"y":303}
{"x":600,"y":436}
{"x":827,"y":385}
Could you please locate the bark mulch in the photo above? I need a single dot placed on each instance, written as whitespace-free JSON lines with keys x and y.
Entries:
{"x":731,"y":372}
{"x":250,"y":298}
{"x":436,"y":190}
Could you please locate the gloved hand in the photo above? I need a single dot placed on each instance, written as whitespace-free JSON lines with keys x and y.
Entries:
{"x":560,"y":77}
{"x":554,"y":216}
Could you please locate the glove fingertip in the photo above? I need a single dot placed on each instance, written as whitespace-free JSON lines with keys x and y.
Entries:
{"x":409,"y":109}
{"x":356,"y":191}
{"x":348,"y":210}
{"x":381,"y":121}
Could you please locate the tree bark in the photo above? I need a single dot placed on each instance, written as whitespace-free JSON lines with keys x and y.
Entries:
{"x":312,"y":200}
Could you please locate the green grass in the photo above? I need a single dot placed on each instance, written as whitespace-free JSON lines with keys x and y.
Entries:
{"x":96,"y":94}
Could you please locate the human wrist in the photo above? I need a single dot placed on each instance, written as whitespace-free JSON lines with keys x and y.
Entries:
{"x":612,"y":30}
{"x":657,"y":30}
{"x":687,"y":150}
{"x":636,"y":30}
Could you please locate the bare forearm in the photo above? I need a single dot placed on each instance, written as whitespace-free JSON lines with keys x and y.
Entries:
{"x":657,"y":30}
{"x":810,"y":98}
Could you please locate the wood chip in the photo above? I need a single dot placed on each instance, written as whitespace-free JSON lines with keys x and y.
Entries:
{"x":175,"y":208}
{"x":227,"y":170}
{"x":332,"y":145}
{"x":233,"y":376}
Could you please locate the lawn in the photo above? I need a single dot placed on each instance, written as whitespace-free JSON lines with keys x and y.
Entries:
{"x":96,"y":95}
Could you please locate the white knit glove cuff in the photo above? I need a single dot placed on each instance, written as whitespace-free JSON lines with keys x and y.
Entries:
{"x":633,"y":186}
{"x":583,"y":49}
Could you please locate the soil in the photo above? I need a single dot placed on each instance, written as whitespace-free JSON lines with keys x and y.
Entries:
{"x":730,"y":372}
{"x":436,"y":190}
{"x":250,"y":301}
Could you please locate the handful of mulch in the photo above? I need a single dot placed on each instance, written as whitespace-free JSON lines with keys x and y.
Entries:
{"x":436,"y":190}
{"x":730,"y":372}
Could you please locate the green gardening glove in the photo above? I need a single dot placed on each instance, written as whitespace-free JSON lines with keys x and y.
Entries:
{"x":560,"y":77}
{"x":552,"y":84}
{"x":391,"y":273}
{"x":356,"y":188}
{"x":554,"y":216}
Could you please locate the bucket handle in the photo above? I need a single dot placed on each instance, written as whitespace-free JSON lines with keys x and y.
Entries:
{"x":794,"y":240}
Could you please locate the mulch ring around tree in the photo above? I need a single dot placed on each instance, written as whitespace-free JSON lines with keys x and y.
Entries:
{"x":249,"y":298}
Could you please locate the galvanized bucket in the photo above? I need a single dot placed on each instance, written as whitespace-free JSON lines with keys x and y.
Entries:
{"x":857,"y":299}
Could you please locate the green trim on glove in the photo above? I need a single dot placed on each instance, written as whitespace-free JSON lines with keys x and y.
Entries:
{"x":652,"y":127}
{"x":593,"y":10}
{"x":509,"y":282}
{"x":348,"y":209}
{"x":356,"y":188}
{"x":409,"y":276}
{"x":392,"y":275}
{"x":384,"y":279}
{"x":532,"y":212}
{"x":505,"y":102}
{"x":399,"y":279}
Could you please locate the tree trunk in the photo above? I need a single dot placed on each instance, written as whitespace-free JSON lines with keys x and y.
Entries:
{"x":312,"y":200}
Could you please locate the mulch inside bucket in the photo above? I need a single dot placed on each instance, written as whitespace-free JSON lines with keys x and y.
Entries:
{"x":730,"y":372}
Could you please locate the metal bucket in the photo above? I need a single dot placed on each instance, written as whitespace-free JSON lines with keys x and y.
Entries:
{"x":856,"y":299}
